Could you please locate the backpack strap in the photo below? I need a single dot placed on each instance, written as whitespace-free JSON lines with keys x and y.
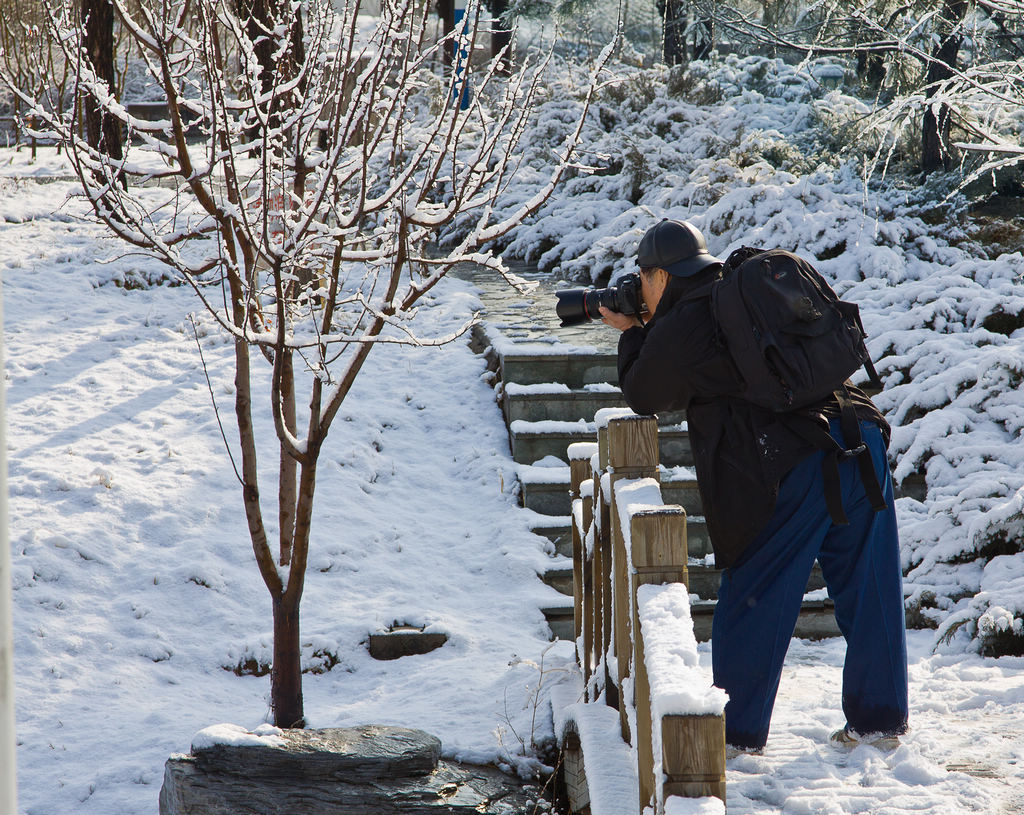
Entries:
{"x":700,"y":292}
{"x":850,"y":310}
{"x":813,"y":433}
{"x":851,"y":428}
{"x":873,"y":379}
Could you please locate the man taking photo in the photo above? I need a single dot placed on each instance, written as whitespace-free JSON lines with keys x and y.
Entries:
{"x":775,"y":499}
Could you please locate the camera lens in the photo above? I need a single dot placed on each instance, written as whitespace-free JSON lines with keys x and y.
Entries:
{"x":572,"y":306}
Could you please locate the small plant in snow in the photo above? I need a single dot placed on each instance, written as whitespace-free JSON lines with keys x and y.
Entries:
{"x":535,"y":742}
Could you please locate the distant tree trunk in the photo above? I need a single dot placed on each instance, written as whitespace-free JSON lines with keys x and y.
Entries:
{"x":673,"y":15}
{"x":258,"y":24}
{"x":935,"y":125}
{"x":703,"y":38}
{"x":16,"y":123}
{"x":870,"y":64}
{"x":446,"y":11}
{"x":102,"y":130}
{"x":870,"y":68}
{"x":501,"y":34}
{"x":262,"y":21}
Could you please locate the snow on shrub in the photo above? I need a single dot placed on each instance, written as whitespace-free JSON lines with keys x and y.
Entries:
{"x":746,"y":149}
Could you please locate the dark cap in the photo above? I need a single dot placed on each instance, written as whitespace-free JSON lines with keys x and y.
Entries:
{"x":675,"y":246}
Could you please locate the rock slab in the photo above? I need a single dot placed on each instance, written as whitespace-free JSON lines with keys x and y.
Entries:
{"x":369,"y":770}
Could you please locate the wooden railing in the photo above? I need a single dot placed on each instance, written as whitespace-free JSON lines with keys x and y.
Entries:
{"x":634,"y":636}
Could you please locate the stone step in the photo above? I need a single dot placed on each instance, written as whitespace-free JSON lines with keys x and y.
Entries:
{"x":703,"y":580}
{"x":533,"y":441}
{"x":556,"y":529}
{"x":556,"y":402}
{"x":559,"y":403}
{"x":698,"y":543}
{"x":817,"y":620}
{"x":560,"y":580}
{"x":551,"y":497}
{"x":574,"y":369}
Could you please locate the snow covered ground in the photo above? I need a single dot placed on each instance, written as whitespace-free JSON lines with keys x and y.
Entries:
{"x":134,"y":582}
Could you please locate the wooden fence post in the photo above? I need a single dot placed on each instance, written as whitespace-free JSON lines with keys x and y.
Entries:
{"x":632,"y":454}
{"x":693,"y":756}
{"x":589,"y":605}
{"x":603,"y":572}
{"x":579,"y":469}
{"x":658,"y":544}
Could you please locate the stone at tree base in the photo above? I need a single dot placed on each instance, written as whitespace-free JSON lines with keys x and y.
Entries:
{"x":370,"y":770}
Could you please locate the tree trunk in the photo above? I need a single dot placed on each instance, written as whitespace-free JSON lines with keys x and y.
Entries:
{"x":446,"y":11}
{"x":772,"y":15}
{"x":703,"y":38}
{"x":287,"y":474}
{"x":102,"y":131}
{"x":258,"y":25}
{"x":262,"y":18}
{"x":674,"y":32}
{"x":870,"y":68}
{"x":17,"y":124}
{"x":286,"y":674}
{"x":870,"y":64}
{"x":935,"y":124}
{"x":501,"y":34}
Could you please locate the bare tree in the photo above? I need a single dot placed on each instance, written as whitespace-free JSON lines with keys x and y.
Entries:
{"x":32,"y":59}
{"x":308,"y":230}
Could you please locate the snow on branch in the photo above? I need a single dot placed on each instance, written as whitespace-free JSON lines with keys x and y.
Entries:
{"x":307,"y":158}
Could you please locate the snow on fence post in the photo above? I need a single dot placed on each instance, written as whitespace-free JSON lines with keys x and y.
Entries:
{"x":603,"y":557}
{"x":658,"y":549}
{"x":579,"y":477}
{"x":687,"y":733}
{"x":632,"y":454}
{"x":586,"y":644}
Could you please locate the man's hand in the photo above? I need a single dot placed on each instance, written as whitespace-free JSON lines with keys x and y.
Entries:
{"x":619,"y":321}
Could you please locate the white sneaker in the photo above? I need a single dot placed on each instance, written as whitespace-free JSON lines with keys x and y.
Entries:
{"x":848,"y":737}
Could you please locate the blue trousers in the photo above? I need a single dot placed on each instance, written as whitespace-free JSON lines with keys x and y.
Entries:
{"x":759,"y":600}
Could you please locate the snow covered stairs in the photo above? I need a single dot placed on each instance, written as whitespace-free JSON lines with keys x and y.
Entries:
{"x":549,"y":398}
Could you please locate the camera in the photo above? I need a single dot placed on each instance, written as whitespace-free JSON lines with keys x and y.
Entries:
{"x":577,"y":306}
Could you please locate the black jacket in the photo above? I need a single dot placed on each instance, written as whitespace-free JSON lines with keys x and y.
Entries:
{"x":741,"y":451}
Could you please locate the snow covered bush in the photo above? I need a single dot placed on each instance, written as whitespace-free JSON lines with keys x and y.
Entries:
{"x":754,"y":162}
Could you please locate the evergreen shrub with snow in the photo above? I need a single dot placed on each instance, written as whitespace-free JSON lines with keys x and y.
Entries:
{"x":755,"y":151}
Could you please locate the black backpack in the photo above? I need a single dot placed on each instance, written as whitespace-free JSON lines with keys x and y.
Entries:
{"x":792,"y":339}
{"x":795,"y":344}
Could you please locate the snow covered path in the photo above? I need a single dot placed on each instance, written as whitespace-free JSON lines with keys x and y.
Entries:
{"x":966,"y":711}
{"x":134,"y":581}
